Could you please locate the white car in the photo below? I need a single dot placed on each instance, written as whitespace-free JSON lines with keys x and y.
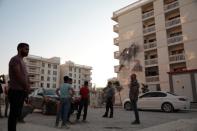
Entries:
{"x":159,"y":100}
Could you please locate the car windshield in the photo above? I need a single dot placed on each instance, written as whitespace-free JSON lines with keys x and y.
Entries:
{"x":172,"y":93}
{"x":50,"y":92}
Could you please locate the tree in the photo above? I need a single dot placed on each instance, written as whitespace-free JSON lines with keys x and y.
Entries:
{"x":119,"y":88}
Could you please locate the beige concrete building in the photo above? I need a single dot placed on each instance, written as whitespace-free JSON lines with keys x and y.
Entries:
{"x":155,"y":37}
{"x":43,"y":72}
{"x":79,"y":74}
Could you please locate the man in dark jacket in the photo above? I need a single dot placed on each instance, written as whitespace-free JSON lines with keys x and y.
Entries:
{"x":133,"y":95}
{"x":110,"y":92}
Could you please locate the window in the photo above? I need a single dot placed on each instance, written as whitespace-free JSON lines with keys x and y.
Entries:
{"x":74,"y":75}
{"x":74,"y":81}
{"x":48,"y":85}
{"x":49,"y":72}
{"x":70,"y":74}
{"x":41,"y":85}
{"x":54,"y":79}
{"x":70,"y":68}
{"x":48,"y":78}
{"x":54,"y":72}
{"x":75,"y":69}
{"x":42,"y":71}
{"x":54,"y":66}
{"x":79,"y":81}
{"x":54,"y":85}
{"x":43,"y":65}
{"x":79,"y":70}
{"x":49,"y":65}
{"x":42,"y":78}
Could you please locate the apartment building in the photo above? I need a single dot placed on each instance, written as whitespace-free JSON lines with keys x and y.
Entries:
{"x":78,"y":73}
{"x":43,"y":72}
{"x":156,"y":37}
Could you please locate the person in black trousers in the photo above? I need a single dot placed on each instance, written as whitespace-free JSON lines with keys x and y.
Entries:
{"x":19,"y":85}
{"x":110,"y":97}
{"x":133,"y":95}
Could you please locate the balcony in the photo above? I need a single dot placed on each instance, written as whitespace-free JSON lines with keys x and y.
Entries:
{"x":116,"y":28}
{"x":173,"y":22}
{"x":150,"y":45}
{"x":177,"y":58}
{"x":116,"y":41}
{"x":175,"y":39}
{"x":152,"y":78}
{"x":116,"y":54}
{"x":33,"y":64}
{"x":33,"y":79}
{"x":171,"y":6}
{"x":148,"y":15}
{"x":149,"y":30}
{"x":116,"y":69}
{"x":151,"y":61}
{"x":30,"y":71}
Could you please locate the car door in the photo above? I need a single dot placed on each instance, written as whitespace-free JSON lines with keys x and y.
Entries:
{"x":38,"y":99}
{"x":144,"y":101}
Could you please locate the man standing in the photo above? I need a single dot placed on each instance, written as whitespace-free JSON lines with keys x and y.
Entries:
{"x":133,"y":95}
{"x":84,"y":92}
{"x":2,"y":81}
{"x":19,"y":85}
{"x":64,"y":92}
{"x":110,"y":97}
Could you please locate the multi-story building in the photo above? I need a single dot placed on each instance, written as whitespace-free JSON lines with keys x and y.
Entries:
{"x":155,"y":37}
{"x":78,"y":73}
{"x":43,"y":72}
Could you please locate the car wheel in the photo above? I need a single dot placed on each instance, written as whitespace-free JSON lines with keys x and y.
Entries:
{"x":167,"y":107}
{"x":127,"y":106}
{"x":44,"y":109}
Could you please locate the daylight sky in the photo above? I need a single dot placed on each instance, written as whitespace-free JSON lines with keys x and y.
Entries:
{"x":76,"y":30}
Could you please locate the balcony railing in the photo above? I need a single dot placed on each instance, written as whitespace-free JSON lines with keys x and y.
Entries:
{"x":33,"y":71}
{"x":150,"y":29}
{"x":175,"y":39}
{"x":116,"y":41}
{"x":177,"y":57}
{"x":152,"y":78}
{"x":116,"y":69}
{"x":32,"y":64}
{"x":147,"y":15}
{"x":171,"y":6}
{"x":151,"y":61}
{"x":173,"y":22}
{"x":33,"y":79}
{"x":116,"y":54}
{"x":150,"y":45}
{"x":116,"y":27}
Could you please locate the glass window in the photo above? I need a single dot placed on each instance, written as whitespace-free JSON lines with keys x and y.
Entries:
{"x":41,"y":85}
{"x":54,"y":79}
{"x":54,"y":72}
{"x":49,"y":65}
{"x":43,"y":64}
{"x":48,"y":78}
{"x":70,"y":74}
{"x":54,"y":66}
{"x":42,"y":71}
{"x":49,"y":72}
{"x":70,"y":68}
{"x":48,"y":85}
{"x":54,"y":85}
{"x":42,"y":78}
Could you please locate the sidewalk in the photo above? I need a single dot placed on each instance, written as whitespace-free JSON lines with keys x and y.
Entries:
{"x":179,"y":125}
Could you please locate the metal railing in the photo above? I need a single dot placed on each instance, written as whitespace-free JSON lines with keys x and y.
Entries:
{"x":116,"y":41}
{"x":149,"y":29}
{"x":151,"y":61}
{"x":150,"y":45}
{"x":116,"y":54}
{"x":116,"y":27}
{"x":175,"y":39}
{"x":177,"y":57}
{"x":152,"y":78}
{"x":171,"y":6}
{"x":173,"y":22}
{"x":147,"y":14}
{"x":116,"y":69}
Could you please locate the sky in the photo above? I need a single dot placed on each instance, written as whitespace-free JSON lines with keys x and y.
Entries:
{"x":76,"y":30}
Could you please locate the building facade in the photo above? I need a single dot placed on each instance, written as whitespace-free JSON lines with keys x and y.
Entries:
{"x":78,"y":73}
{"x":43,"y":72}
{"x":155,"y":37}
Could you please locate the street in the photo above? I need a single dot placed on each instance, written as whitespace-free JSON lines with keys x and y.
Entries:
{"x":121,"y":121}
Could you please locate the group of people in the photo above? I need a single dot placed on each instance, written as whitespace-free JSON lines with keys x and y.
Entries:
{"x":64,"y":110}
{"x":19,"y":88}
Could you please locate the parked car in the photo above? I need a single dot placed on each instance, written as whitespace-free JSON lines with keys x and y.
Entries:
{"x":160,"y":100}
{"x":44,"y":99}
